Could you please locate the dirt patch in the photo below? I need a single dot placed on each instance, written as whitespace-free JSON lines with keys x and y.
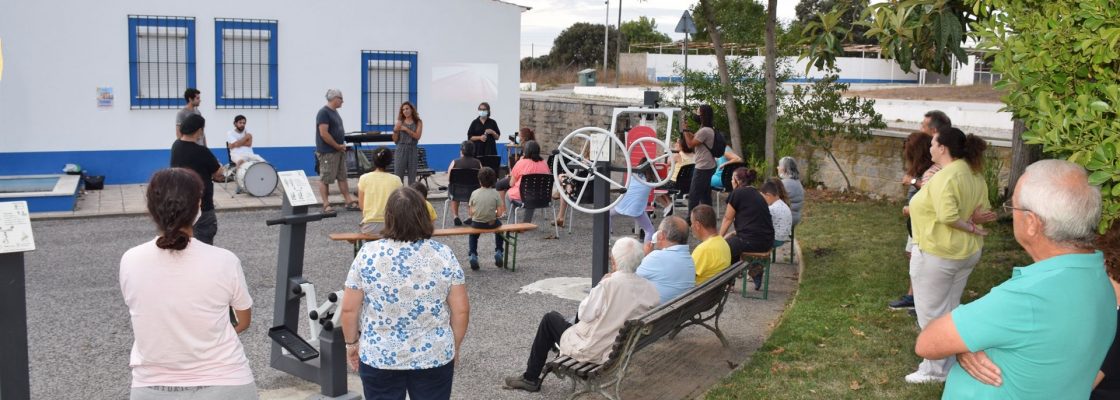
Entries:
{"x":971,"y":94}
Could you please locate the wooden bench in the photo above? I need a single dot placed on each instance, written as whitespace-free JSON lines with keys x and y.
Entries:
{"x":702,"y":305}
{"x":509,"y":232}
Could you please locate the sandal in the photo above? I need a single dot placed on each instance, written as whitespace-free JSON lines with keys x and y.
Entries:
{"x":558,"y":223}
{"x":353,"y":206}
{"x":327,"y":208}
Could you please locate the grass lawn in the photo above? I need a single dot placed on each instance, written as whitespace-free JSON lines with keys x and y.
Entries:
{"x":837,"y":339}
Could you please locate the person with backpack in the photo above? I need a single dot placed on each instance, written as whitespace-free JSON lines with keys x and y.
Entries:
{"x":709,"y":145}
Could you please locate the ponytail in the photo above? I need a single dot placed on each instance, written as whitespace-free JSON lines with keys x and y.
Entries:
{"x":173,"y":196}
{"x":968,"y":147}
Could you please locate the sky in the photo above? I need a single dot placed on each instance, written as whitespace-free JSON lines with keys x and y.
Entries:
{"x":541,"y":25}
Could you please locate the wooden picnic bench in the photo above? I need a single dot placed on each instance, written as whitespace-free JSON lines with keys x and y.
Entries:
{"x":509,"y":232}
{"x":702,"y":305}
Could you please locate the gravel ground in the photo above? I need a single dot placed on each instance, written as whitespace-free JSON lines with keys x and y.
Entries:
{"x":80,"y":336}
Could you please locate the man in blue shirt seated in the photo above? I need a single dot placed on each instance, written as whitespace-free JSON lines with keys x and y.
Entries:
{"x":670,"y":266}
{"x":1043,"y":333}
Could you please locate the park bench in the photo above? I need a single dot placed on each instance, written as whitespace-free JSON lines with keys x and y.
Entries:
{"x":701,"y":305}
{"x":508,"y":231}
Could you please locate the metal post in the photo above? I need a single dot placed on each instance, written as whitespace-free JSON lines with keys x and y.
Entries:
{"x":618,"y":50}
{"x":684,"y":85}
{"x":601,"y":229}
{"x":15,"y":382}
{"x":606,"y":35}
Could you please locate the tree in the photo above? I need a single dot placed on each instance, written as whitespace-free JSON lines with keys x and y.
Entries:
{"x":581,"y":45}
{"x":1059,"y":60}
{"x":818,"y":114}
{"x":749,"y":88}
{"x":643,"y":30}
{"x":771,"y":86}
{"x":725,"y":80}
{"x":739,"y":21}
{"x":808,"y":10}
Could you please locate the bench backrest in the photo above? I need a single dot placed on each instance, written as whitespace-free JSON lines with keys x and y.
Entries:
{"x":658,"y":322}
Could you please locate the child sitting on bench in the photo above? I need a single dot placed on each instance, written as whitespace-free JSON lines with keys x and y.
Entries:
{"x":486,"y":209}
{"x":423,"y":189}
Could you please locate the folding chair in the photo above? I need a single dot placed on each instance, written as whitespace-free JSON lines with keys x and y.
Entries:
{"x":460,"y":184}
{"x":683,"y":182}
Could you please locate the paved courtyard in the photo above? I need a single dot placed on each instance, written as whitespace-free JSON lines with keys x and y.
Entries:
{"x":80,"y":336}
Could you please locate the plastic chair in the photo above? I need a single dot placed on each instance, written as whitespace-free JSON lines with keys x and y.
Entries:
{"x":494,"y":162}
{"x":683,"y":182}
{"x":725,"y":179}
{"x":460,"y":184}
{"x":536,"y":192}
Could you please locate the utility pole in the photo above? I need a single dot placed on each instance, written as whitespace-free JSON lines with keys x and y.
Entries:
{"x":685,"y":26}
{"x":606,"y":35}
{"x":618,"y":48}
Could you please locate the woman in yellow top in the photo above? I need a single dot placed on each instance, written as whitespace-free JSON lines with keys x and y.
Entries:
{"x":947,"y":238}
{"x":373,"y":191}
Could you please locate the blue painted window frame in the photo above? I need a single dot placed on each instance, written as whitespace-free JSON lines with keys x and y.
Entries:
{"x":219,"y":73}
{"x":370,"y":55}
{"x":134,"y":74}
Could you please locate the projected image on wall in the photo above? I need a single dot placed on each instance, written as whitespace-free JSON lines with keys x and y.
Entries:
{"x":465,"y":82}
{"x":1,"y":59}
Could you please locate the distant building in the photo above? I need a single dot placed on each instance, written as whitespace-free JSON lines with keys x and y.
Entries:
{"x":98,"y":84}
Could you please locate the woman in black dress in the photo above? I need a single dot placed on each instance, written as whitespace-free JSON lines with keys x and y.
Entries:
{"x":484,"y":132}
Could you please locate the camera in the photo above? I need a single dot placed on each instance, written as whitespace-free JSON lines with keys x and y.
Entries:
{"x":513,"y":138}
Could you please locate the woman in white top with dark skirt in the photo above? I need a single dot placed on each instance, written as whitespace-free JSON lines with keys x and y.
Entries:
{"x":179,"y":292}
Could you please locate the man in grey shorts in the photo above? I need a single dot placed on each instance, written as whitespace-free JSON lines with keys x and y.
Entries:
{"x":194,"y":98}
{"x":331,"y":152}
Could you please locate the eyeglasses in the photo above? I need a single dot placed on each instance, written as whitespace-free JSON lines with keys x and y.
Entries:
{"x":1007,"y":207}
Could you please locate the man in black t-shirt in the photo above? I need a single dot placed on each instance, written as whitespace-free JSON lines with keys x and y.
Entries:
{"x":187,"y":153}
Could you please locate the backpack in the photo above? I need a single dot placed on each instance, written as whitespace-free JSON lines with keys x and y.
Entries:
{"x":719,"y":144}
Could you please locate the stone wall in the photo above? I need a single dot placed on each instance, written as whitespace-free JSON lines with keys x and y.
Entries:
{"x":874,"y":167}
{"x":554,"y":117}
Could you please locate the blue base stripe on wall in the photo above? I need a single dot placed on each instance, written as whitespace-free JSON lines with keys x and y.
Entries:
{"x":136,"y":166}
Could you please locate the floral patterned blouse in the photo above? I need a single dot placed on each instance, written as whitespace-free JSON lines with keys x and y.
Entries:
{"x":405,"y":321}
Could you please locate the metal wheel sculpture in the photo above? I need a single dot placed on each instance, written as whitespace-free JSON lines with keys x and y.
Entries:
{"x":576,"y":151}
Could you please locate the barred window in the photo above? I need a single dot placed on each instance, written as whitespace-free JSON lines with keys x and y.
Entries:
{"x":161,"y":60}
{"x":389,"y":79}
{"x":245,"y":54}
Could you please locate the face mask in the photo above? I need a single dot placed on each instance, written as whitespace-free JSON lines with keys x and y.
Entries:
{"x":483,"y":113}
{"x":696,"y":118}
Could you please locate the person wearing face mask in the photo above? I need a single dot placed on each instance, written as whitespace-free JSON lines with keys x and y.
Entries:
{"x":187,"y":153}
{"x":703,"y":141}
{"x":484,"y":132}
{"x":178,"y":291}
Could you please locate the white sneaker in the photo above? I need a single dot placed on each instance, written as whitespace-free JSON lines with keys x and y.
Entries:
{"x":921,"y":377}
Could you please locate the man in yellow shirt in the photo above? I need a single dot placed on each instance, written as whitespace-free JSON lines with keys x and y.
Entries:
{"x":713,"y":254}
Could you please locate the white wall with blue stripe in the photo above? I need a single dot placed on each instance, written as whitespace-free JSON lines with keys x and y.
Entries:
{"x":57,"y":55}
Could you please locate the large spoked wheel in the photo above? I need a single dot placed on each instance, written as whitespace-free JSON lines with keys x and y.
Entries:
{"x":664,"y":155}
{"x":575,"y":153}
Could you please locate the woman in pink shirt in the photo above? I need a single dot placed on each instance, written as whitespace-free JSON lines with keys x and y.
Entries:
{"x":530,"y":163}
{"x":178,"y":291}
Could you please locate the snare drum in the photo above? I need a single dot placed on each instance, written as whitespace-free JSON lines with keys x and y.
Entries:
{"x":258,"y":178}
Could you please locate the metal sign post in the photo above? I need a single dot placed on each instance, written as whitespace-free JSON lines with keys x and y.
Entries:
{"x":15,"y":239}
{"x":685,"y":26}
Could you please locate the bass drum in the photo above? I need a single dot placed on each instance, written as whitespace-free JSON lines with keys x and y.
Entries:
{"x":257,"y":178}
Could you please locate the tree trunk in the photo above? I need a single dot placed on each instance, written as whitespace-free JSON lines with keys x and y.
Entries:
{"x":1022,"y":155}
{"x":772,"y":89}
{"x":729,"y":104}
{"x":847,"y":183}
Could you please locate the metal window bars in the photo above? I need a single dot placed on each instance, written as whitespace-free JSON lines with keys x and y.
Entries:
{"x":389,"y":82}
{"x":246,"y":63}
{"x":162,"y":63}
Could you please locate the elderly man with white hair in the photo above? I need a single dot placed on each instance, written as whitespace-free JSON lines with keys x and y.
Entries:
{"x":1043,"y":333}
{"x":620,"y":296}
{"x":330,"y":151}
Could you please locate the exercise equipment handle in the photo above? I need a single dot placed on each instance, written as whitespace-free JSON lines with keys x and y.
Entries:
{"x":295,"y":219}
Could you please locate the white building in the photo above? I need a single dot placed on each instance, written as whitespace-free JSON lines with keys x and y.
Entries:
{"x":99,"y":83}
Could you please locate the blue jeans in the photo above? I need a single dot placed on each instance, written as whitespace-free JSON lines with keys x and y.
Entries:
{"x":472,"y":240}
{"x":392,"y":384}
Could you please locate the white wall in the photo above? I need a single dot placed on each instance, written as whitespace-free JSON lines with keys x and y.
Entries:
{"x":57,"y":53}
{"x":850,"y":67}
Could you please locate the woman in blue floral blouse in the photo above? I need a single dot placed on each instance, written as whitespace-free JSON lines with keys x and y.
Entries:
{"x":408,"y":292}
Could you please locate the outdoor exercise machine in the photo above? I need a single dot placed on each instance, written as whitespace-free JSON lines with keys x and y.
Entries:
{"x":323,"y":359}
{"x":592,"y":149}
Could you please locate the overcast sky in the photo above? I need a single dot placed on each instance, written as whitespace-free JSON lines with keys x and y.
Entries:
{"x":541,"y":25}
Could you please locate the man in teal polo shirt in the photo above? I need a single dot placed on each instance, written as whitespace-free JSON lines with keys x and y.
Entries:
{"x":1043,"y":333}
